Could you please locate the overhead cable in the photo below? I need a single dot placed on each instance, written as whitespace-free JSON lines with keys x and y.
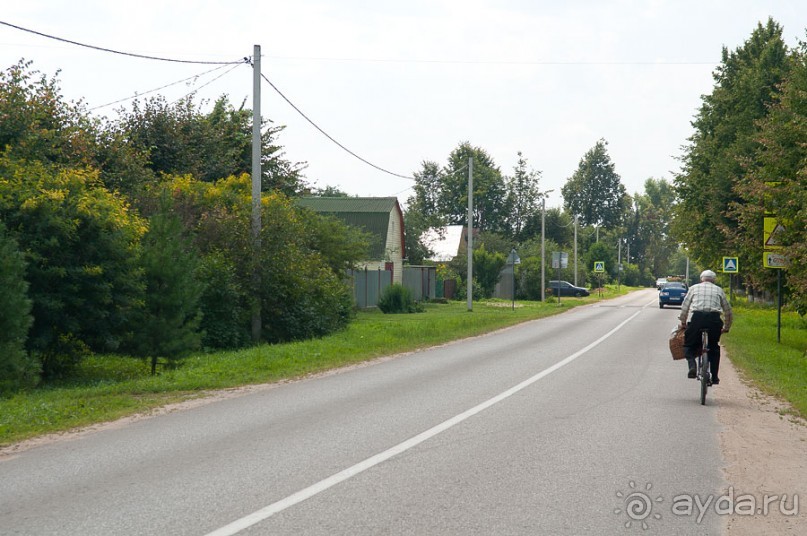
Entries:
{"x":131,"y":54}
{"x":141,"y":93}
{"x":237,"y":65}
{"x":331,"y":137}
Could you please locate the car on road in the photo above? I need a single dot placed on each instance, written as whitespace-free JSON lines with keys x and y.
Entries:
{"x":672,"y":293}
{"x":567,"y":289}
{"x":660,"y":282}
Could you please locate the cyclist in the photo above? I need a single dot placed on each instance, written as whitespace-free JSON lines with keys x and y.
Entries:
{"x":701,"y":309}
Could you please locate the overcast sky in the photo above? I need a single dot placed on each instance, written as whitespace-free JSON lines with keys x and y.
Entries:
{"x":403,"y":82}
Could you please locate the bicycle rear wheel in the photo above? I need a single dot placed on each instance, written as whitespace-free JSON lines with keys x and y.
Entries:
{"x":704,"y":388}
{"x":704,"y":368}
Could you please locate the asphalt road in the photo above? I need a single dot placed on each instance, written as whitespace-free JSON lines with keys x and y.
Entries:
{"x":576,"y":424}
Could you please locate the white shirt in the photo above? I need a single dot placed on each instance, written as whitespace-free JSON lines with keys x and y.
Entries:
{"x":708,"y":298}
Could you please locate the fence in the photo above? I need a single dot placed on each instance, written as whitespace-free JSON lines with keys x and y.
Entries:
{"x":368,"y":285}
{"x":421,"y":281}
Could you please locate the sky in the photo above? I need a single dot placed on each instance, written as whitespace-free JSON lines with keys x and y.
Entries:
{"x":400,"y":83}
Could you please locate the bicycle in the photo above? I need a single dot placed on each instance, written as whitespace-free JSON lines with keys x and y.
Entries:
{"x":703,"y":375}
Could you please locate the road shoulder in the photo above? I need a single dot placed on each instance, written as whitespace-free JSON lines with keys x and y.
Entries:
{"x":765,"y":451}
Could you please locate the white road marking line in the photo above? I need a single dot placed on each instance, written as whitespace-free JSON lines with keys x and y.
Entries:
{"x":264,"y":513}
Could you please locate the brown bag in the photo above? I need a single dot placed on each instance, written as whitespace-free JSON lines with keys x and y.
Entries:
{"x":677,"y":343}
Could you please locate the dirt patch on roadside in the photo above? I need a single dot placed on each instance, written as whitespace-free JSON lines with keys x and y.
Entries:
{"x":765,"y":449}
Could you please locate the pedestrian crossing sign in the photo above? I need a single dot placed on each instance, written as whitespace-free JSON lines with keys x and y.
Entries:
{"x":599,"y":266}
{"x":730,"y":265}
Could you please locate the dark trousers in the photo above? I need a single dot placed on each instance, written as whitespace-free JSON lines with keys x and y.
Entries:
{"x":692,"y":338}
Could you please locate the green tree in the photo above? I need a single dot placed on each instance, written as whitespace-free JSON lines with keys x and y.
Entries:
{"x":559,"y":227}
{"x":329,"y":191}
{"x":595,"y":192}
{"x":81,"y":245}
{"x":38,"y":124}
{"x":423,"y":211}
{"x":340,"y":245}
{"x":487,"y":267}
{"x":168,"y":326}
{"x":777,"y":183}
{"x":649,"y":227}
{"x":600,"y":251}
{"x":489,"y":190}
{"x":17,"y":368}
{"x":523,"y":196}
{"x":301,"y":263}
{"x":528,"y":273}
{"x":721,"y":152}
{"x":179,"y":139}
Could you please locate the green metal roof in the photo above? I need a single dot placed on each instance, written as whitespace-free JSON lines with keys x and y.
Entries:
{"x":370,"y":214}
{"x":349,"y":204}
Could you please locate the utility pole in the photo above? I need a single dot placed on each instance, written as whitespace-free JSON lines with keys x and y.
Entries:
{"x":575,"y":250}
{"x":543,"y":249}
{"x":256,"y":193}
{"x":686,"y":277}
{"x":543,"y":244}
{"x":470,"y":233}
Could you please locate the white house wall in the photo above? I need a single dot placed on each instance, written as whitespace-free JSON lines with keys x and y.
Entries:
{"x":393,"y":247}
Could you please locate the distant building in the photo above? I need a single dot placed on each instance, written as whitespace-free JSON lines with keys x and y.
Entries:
{"x":381,"y":217}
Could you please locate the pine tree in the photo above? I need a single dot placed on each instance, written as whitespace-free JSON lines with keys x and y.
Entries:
{"x":17,"y":368}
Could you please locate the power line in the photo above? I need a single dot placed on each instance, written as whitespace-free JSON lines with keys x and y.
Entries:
{"x":131,"y":54}
{"x":494,"y":62}
{"x":141,"y":93}
{"x":331,"y":137}
{"x":237,"y":65}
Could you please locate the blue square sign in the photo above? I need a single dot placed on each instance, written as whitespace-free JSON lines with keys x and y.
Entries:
{"x":730,"y":265}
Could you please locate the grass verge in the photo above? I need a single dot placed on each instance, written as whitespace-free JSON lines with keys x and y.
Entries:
{"x":106,"y":387}
{"x":776,"y":368}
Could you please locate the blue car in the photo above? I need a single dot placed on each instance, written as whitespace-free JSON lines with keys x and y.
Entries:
{"x":671,"y":294}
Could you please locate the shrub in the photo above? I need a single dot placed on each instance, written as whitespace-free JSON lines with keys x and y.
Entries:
{"x":17,"y":369}
{"x":397,"y":299}
{"x":225,"y":316}
{"x":487,"y":267}
{"x":81,"y":245}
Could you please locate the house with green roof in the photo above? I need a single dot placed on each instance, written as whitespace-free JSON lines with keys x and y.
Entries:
{"x":380,"y":216}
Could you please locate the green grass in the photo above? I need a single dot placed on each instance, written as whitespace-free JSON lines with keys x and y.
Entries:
{"x":108,"y":387}
{"x":777,"y":368}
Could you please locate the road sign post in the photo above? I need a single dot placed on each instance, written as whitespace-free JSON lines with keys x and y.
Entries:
{"x":731,"y":266}
{"x":599,"y":269}
{"x":773,"y":257}
{"x":560,"y":259}
{"x":512,"y":260}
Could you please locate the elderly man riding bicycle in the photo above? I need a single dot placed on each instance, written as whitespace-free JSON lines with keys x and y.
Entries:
{"x":702,"y":309}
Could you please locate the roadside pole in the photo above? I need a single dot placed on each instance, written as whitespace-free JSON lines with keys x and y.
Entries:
{"x":256,"y":193}
{"x":470,"y":233}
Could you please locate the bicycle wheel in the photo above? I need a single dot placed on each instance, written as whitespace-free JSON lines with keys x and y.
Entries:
{"x":704,"y":372}
{"x":704,"y":388}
